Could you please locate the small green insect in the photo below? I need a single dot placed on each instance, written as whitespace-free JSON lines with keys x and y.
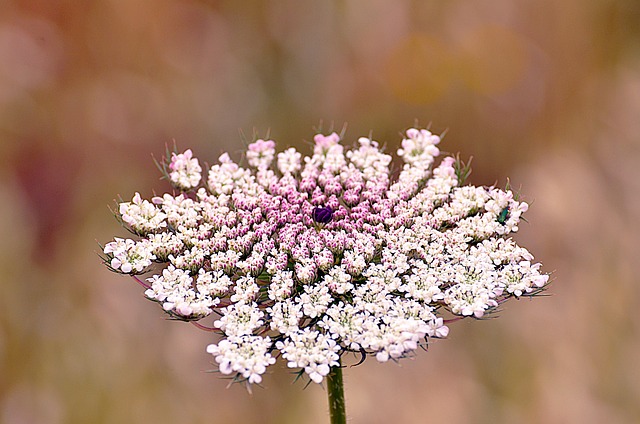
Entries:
{"x":504,"y":214}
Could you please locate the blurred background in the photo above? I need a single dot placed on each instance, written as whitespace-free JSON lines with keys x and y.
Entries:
{"x":546,"y":93}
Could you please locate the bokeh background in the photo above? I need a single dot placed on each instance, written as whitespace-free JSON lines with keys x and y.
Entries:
{"x":545,"y":92}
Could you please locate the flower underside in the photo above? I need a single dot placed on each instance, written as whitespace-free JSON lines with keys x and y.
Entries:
{"x":317,"y":256}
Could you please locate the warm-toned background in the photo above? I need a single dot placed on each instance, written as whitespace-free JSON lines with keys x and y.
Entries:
{"x":546,"y":92}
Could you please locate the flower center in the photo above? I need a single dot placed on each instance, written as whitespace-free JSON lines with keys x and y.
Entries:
{"x":322,"y":215}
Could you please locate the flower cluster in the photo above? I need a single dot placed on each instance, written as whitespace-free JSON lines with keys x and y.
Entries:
{"x":311,"y":257}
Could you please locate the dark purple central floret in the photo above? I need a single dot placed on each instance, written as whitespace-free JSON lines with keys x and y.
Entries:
{"x":322,"y":215}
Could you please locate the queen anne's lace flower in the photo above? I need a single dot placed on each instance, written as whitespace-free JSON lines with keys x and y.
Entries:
{"x":321,"y":255}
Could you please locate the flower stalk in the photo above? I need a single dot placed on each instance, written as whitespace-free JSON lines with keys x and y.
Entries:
{"x":335,"y":391}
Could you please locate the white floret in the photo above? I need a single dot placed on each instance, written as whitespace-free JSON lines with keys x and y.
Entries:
{"x":129,"y":256}
{"x":246,"y":355}
{"x":185,"y":170}
{"x":311,"y":350}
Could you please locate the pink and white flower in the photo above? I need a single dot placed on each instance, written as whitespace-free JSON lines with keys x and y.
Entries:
{"x":326,"y":254}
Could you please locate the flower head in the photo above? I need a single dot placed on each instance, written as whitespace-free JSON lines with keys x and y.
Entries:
{"x":317,"y":256}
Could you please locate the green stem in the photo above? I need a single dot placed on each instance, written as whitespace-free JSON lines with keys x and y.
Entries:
{"x":335,"y":387}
